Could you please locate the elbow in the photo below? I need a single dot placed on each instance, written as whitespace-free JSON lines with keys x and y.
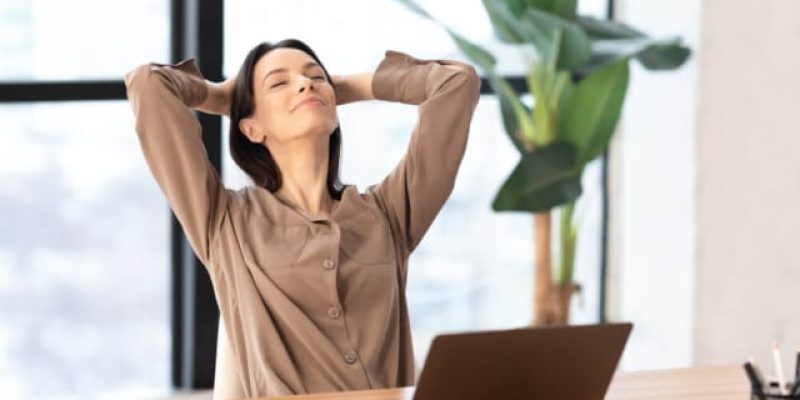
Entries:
{"x":144,"y":79}
{"x":472,"y":73}
{"x":136,"y":76}
{"x":471,"y":83}
{"x":181,"y":80}
{"x":138,"y":81}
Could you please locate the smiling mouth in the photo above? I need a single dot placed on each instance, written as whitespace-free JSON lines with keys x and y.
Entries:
{"x":313,"y":102}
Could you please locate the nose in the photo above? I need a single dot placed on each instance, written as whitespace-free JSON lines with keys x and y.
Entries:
{"x":307,"y":83}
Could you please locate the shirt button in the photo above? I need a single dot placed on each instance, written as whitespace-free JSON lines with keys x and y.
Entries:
{"x":334,"y":312}
{"x":328,"y":263}
{"x":349,"y":358}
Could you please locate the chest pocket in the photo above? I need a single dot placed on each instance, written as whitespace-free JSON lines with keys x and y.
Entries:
{"x":275,"y":246}
{"x":366,"y":239}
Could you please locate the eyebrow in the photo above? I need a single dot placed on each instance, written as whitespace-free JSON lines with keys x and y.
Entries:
{"x":274,"y":71}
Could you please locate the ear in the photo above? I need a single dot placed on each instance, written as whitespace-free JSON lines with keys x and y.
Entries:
{"x":252,"y":130}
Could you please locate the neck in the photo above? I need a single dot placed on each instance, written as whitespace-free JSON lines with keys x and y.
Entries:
{"x":304,"y":170}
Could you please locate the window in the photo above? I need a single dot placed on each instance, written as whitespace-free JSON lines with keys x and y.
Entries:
{"x":84,"y":245}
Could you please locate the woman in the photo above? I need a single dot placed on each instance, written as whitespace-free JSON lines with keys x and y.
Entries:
{"x":309,"y":274}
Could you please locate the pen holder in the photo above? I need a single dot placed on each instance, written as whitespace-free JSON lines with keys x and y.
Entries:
{"x":773,"y":392}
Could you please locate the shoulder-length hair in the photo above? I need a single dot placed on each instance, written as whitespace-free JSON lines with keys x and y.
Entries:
{"x":254,"y":158}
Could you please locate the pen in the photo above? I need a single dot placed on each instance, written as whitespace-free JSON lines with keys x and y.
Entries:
{"x":776,"y":358}
{"x":797,"y":366}
{"x":795,"y":388}
{"x":756,"y":380}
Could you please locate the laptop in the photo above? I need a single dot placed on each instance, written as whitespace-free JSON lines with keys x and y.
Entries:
{"x":559,"y":362}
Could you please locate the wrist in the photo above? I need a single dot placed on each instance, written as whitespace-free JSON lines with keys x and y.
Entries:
{"x":217,"y":99}
{"x":352,"y":88}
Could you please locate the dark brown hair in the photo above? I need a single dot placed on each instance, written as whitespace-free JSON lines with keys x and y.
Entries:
{"x":254,"y":158}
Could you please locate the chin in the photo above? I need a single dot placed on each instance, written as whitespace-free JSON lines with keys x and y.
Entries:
{"x":312,"y":131}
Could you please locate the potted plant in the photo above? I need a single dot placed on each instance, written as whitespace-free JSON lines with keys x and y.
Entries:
{"x":578,"y":81}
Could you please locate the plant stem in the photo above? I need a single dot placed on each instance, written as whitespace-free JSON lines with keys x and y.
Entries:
{"x":568,"y":235}
{"x":543,"y":276}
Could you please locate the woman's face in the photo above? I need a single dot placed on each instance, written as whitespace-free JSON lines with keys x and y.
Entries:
{"x":293,"y":99}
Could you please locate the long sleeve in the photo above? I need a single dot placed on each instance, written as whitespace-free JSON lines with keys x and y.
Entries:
{"x":170,"y":136}
{"x":447,"y":93}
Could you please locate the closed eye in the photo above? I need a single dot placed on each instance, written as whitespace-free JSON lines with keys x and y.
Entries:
{"x":284,"y":82}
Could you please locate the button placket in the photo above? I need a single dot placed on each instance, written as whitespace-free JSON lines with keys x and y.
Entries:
{"x":329,"y":263}
{"x":335,"y":311}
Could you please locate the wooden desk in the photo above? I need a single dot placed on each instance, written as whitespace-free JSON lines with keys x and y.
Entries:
{"x":707,"y":383}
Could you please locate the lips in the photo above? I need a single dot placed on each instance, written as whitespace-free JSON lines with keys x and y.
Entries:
{"x":309,"y":101}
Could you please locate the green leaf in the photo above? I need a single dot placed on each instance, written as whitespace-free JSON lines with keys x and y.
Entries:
{"x":542,"y":180}
{"x":543,"y":5}
{"x":517,"y":7}
{"x":563,"y":8}
{"x":654,"y":54}
{"x":511,"y":110}
{"x":505,"y":23}
{"x":566,"y":9}
{"x":604,"y":29}
{"x":512,"y":126}
{"x":663,"y":56}
{"x":589,"y":120}
{"x":575,"y":47}
{"x":516,"y":115}
{"x":539,"y":28}
{"x":547,"y":84}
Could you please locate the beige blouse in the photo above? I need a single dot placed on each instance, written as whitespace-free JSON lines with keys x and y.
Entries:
{"x":310,"y":304}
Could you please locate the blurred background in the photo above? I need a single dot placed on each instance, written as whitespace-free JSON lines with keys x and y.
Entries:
{"x":688,"y":225}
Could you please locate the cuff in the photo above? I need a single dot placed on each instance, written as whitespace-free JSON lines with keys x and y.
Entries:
{"x":390,"y":73}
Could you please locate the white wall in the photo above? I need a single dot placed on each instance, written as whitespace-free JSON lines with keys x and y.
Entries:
{"x":706,"y":188}
{"x":748,"y":180}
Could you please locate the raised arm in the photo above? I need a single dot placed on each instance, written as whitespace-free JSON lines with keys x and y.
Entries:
{"x":170,"y":136}
{"x":447,"y":93}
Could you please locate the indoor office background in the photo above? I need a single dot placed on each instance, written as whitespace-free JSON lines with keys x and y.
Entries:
{"x":700,"y":222}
